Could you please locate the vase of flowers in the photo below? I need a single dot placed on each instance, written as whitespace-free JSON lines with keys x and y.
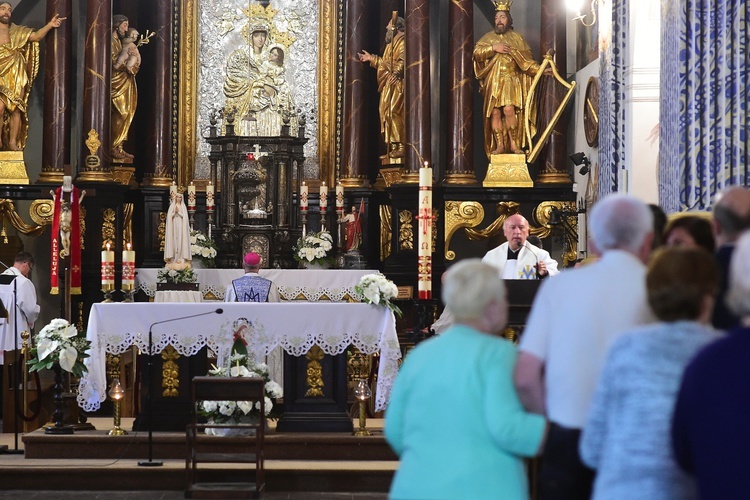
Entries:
{"x":312,"y":250}
{"x":60,"y":343}
{"x":203,"y":250}
{"x":223,"y":412}
{"x":59,"y":346}
{"x":174,"y":276}
{"x":379,"y":290}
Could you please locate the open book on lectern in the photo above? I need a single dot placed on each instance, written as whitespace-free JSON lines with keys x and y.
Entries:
{"x":5,"y":305}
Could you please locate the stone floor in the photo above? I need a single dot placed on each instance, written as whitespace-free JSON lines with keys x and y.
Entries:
{"x":173,"y":495}
{"x":8,"y":459}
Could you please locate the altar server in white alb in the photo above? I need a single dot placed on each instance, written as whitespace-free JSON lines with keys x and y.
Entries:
{"x":27,"y":310}
{"x":517,"y":259}
{"x":252,"y":287}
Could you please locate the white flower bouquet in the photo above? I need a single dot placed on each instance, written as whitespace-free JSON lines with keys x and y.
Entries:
{"x":203,"y":248}
{"x":60,"y":342}
{"x":175,"y":276}
{"x":314,"y":248}
{"x":379,"y":290}
{"x":222,"y":412}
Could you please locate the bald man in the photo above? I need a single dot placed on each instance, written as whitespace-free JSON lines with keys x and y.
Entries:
{"x":731,"y":216}
{"x":517,"y":259}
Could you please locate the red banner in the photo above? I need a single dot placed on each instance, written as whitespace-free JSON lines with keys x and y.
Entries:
{"x":72,"y":199}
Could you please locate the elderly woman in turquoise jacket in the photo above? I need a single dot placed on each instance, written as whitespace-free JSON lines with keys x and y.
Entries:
{"x":454,"y":418}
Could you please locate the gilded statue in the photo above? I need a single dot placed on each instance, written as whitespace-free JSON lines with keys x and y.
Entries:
{"x":256,"y":87}
{"x":390,"y":75}
{"x":505,"y":68}
{"x":19,"y":65}
{"x":124,"y":89}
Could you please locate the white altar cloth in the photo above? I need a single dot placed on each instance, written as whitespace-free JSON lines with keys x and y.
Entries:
{"x":336,"y":285}
{"x":296,"y":327}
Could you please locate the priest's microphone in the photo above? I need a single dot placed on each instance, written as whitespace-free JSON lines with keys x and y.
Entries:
{"x":151,"y":462}
{"x":536,"y":267}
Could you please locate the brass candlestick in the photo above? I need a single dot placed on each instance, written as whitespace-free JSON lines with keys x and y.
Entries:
{"x":323,"y":214}
{"x":117,"y":393}
{"x":362,"y":392}
{"x":128,"y":291}
{"x":107,"y":290}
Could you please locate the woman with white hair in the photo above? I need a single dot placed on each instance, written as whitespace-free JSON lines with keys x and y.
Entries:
{"x":454,"y":418}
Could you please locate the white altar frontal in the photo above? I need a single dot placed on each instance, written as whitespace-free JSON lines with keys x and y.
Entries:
{"x":295,"y":326}
{"x":293,"y":284}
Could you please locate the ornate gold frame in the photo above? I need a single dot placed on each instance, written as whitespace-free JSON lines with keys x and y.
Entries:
{"x":187,"y":142}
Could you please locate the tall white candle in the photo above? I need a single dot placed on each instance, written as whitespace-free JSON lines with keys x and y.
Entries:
{"x":128,"y":267}
{"x":340,"y":197}
{"x":108,"y":269}
{"x":172,"y":191}
{"x":323,"y":196}
{"x":424,"y":240}
{"x":210,"y":196}
{"x":303,"y":194}
{"x":191,"y":196}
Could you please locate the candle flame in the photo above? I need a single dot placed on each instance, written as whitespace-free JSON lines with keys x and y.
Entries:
{"x":129,"y":246}
{"x":108,"y":247}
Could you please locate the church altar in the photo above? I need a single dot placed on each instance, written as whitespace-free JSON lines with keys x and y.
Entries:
{"x":293,"y":284}
{"x":296,"y":327}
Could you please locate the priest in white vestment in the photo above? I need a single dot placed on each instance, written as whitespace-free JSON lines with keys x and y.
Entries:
{"x":26,"y":308}
{"x":517,"y":259}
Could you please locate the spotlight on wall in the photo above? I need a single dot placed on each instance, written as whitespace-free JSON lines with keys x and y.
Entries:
{"x":581,"y":159}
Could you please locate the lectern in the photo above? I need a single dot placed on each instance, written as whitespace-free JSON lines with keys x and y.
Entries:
{"x":520,"y":294}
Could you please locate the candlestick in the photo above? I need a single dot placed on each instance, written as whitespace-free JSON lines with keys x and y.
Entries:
{"x":424,"y":264}
{"x":108,"y":271}
{"x":172,"y":191}
{"x":323,"y":196}
{"x":303,"y":197}
{"x":128,"y":268}
{"x":339,"y":197}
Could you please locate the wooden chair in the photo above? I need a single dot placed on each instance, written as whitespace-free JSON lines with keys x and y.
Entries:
{"x":212,"y":461}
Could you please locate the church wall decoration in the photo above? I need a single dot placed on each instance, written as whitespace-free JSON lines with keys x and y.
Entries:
{"x":386,"y":231}
{"x":210,"y":31}
{"x":40,"y":213}
{"x":108,"y":227}
{"x":458,"y":215}
{"x":314,"y":379}
{"x":405,"y":230}
{"x":161,"y":230}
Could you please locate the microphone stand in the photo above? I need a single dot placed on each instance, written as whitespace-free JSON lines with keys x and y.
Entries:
{"x":150,"y":367}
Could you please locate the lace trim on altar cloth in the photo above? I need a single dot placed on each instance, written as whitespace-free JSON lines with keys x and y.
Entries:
{"x":260,"y":343}
{"x":315,"y":294}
